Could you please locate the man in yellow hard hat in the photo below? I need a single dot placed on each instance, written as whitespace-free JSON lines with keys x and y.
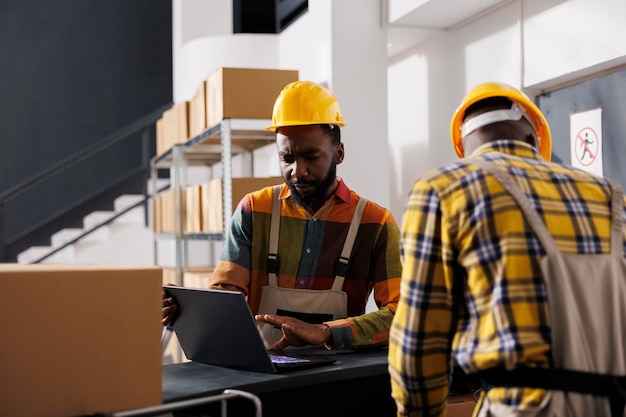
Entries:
{"x":306,"y":272}
{"x":513,"y":268}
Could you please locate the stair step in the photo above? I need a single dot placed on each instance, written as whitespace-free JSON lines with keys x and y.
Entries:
{"x":128,"y":227}
{"x":133,"y":216}
{"x":64,"y":235}
{"x":125,"y":201}
{"x":118,"y":250}
{"x":95,"y":218}
{"x":34,"y":253}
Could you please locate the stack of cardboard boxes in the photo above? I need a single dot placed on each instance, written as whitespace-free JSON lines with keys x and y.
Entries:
{"x":202,"y":205}
{"x":237,"y":93}
{"x":196,"y":277}
{"x":173,"y":127}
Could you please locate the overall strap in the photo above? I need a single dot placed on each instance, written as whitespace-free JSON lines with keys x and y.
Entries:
{"x":617,"y":218}
{"x":610,"y":386}
{"x":272,"y":256}
{"x":343,"y":264}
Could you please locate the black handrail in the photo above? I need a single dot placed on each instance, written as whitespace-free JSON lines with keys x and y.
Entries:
{"x":83,"y":154}
{"x":97,"y":226}
{"x":72,"y":160}
{"x":77,"y":203}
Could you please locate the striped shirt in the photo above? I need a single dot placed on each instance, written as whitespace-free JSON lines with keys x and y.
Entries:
{"x":308,"y":247}
{"x":471,"y":284}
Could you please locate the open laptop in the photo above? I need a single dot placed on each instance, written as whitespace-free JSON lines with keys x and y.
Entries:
{"x":217,"y":327}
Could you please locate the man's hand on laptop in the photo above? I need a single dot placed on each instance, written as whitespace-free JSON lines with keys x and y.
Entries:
{"x":170,"y":308}
{"x":296,"y":332}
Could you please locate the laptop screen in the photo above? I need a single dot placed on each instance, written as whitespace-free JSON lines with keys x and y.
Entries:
{"x":217,"y":327}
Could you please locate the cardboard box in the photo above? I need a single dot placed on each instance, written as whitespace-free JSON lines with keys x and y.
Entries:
{"x":81,"y":339}
{"x":212,"y":198}
{"x":197,"y":277}
{"x":181,"y":122}
{"x":157,"y":221}
{"x":170,"y":277}
{"x":244,"y":93}
{"x":197,"y":111}
{"x":192,"y":220}
{"x":212,"y":203}
{"x":160,"y":136}
{"x":173,"y":127}
{"x":190,"y":212}
{"x":460,"y":405}
{"x":168,"y":130}
{"x":168,"y":217}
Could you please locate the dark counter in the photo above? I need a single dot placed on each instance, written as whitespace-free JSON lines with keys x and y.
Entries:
{"x":357,"y":384}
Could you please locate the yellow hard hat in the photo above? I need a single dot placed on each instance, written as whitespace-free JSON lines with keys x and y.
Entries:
{"x":305,"y":103}
{"x":498,"y":89}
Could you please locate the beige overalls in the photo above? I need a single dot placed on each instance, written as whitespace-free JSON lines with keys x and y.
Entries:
{"x":587,"y":301}
{"x":331,"y":303}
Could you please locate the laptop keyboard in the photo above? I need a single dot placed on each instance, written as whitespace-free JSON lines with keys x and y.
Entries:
{"x":284,"y":359}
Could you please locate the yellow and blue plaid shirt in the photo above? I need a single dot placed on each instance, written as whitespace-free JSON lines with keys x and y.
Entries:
{"x":471,"y":287}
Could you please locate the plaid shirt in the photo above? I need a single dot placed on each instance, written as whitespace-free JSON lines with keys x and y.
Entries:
{"x":471,"y":283}
{"x":308,"y":247}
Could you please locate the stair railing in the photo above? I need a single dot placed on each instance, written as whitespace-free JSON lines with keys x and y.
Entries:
{"x":143,"y":201}
{"x":144,"y":123}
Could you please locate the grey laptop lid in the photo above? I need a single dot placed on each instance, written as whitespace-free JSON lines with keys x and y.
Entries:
{"x":217,"y":327}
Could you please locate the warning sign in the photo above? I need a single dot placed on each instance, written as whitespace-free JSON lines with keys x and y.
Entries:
{"x":586,"y":140}
{"x":586,"y":147}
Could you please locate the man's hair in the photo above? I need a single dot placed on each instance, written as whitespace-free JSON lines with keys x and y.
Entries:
{"x":502,"y":102}
{"x":334,"y":132}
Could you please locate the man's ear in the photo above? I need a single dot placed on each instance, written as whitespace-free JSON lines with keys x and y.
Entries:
{"x":339,"y":153}
{"x":533,"y":140}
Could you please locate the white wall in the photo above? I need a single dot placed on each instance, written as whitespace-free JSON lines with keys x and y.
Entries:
{"x":536,"y":45}
{"x":359,"y":80}
{"x":572,"y":39}
{"x":307,"y":43}
{"x":203,"y":41}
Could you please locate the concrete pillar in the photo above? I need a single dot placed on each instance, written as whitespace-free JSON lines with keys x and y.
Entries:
{"x":359,"y":80}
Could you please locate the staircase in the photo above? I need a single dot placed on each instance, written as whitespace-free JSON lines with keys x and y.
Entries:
{"x":127,"y":239}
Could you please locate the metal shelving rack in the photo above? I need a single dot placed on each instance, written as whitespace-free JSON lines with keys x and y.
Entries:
{"x":216,"y":144}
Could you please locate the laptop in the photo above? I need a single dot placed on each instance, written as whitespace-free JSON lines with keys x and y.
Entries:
{"x":216,"y":327}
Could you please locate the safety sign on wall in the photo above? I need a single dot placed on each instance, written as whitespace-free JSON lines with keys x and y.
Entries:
{"x":586,"y":140}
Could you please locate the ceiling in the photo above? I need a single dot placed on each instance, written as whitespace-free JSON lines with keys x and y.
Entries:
{"x":411,"y":22}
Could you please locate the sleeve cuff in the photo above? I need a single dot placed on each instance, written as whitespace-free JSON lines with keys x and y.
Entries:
{"x":341,"y":331}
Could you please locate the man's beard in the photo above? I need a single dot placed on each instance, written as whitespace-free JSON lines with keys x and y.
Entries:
{"x":316,"y":200}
